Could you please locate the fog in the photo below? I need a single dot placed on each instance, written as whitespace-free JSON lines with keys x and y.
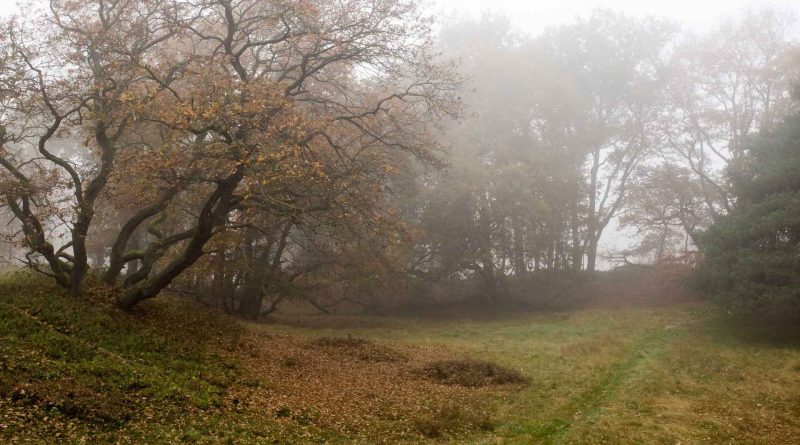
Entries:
{"x":533,"y":17}
{"x":470,"y":152}
{"x":391,"y":221}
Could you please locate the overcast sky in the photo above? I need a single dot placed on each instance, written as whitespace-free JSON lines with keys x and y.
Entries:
{"x":7,"y":6}
{"x":533,"y":16}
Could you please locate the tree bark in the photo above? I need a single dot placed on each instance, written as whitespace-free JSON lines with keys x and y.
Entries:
{"x":214,"y":213}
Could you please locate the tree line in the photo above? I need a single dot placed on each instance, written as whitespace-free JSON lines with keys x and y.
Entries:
{"x":607,"y":122}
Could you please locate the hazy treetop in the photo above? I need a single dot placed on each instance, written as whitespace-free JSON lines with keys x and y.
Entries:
{"x":534,"y":16}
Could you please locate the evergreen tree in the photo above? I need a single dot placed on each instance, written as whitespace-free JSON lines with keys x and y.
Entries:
{"x":752,"y":255}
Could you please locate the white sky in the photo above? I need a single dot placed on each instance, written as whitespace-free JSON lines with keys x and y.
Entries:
{"x":533,"y":16}
{"x":7,"y":7}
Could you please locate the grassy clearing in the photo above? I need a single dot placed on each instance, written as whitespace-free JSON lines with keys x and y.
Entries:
{"x":635,"y":375}
{"x":81,"y":372}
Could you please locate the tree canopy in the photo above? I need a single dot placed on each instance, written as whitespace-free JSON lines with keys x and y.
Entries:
{"x":192,"y":117}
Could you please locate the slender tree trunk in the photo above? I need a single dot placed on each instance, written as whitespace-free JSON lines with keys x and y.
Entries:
{"x":485,"y":254}
{"x":591,"y":255}
{"x":218,"y":281}
{"x":252,"y":297}
{"x":575,"y":230}
{"x":591,"y":220}
{"x":520,"y":266}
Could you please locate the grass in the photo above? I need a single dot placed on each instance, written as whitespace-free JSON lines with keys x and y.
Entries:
{"x":73,"y":372}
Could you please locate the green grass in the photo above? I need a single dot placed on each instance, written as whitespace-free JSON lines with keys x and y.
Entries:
{"x":79,"y":371}
{"x":81,"y":368}
{"x":659,"y":375}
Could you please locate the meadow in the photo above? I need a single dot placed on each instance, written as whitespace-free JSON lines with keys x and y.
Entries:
{"x":82,"y":372}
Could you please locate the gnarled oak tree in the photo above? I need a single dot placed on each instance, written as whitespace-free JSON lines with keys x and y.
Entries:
{"x":184,"y":117}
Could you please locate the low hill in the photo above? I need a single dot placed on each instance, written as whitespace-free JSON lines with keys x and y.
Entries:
{"x":79,"y":370}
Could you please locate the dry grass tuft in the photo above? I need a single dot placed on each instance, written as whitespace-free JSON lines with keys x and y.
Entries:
{"x":452,"y":417}
{"x":348,"y":342}
{"x":471,"y":373}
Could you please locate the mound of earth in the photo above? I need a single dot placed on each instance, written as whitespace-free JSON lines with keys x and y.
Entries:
{"x":471,"y":373}
{"x":358,"y":348}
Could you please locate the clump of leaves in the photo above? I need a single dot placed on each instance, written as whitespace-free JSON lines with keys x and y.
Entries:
{"x":283,"y":412}
{"x":358,"y":348}
{"x":291,"y":362}
{"x":471,"y":373}
{"x":341,"y":342}
{"x":452,"y":418}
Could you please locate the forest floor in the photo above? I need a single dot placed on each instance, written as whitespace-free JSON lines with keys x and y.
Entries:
{"x":81,"y":372}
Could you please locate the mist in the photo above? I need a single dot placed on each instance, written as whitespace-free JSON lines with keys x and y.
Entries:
{"x":390,"y":221}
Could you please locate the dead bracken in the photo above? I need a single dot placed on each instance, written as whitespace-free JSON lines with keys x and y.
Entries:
{"x":471,"y":373}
